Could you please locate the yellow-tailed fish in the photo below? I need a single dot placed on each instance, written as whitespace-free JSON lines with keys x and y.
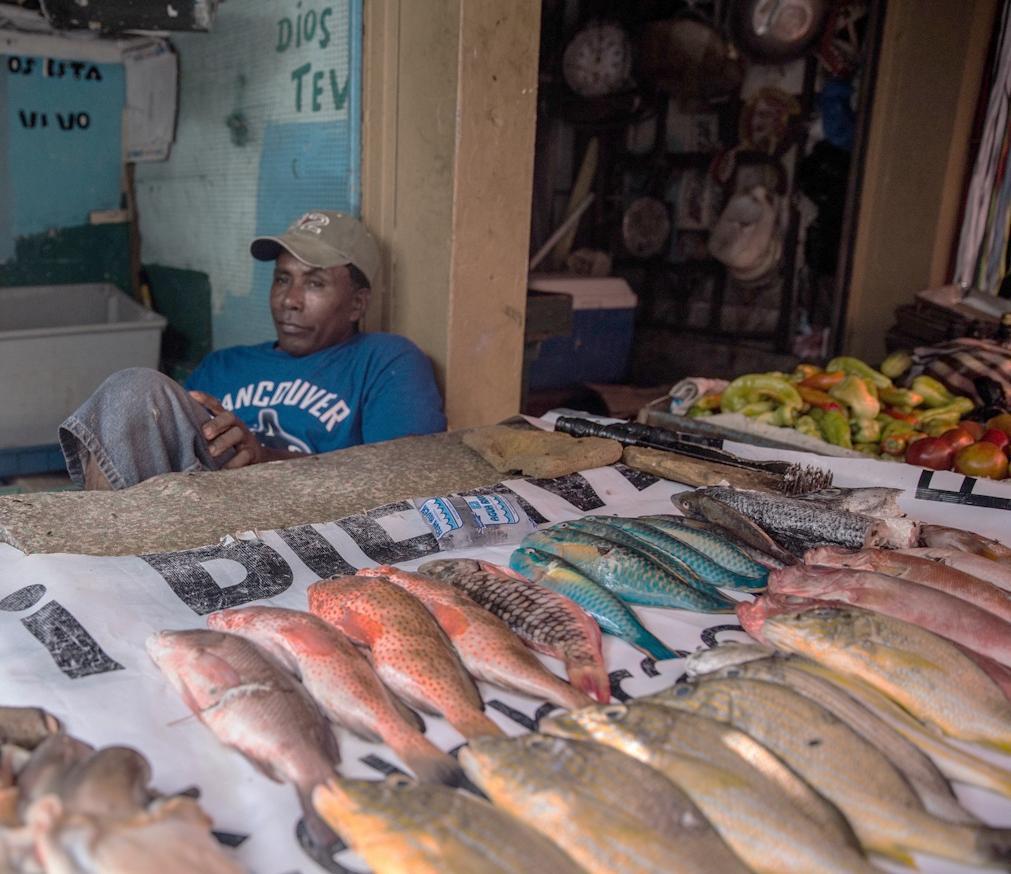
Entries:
{"x":929,"y":676}
{"x":606,"y":810}
{"x":397,"y":826}
{"x":923,"y":775}
{"x":737,"y":783}
{"x":885,"y":812}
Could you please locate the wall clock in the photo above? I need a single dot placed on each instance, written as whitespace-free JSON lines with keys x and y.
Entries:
{"x":598,"y":60}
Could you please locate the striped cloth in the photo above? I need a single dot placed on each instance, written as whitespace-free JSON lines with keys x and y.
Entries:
{"x":959,"y":362}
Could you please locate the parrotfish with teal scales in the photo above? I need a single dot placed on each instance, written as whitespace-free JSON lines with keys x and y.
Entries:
{"x":628,"y":573}
{"x":719,"y":549}
{"x":707,"y":569}
{"x":609,"y":612}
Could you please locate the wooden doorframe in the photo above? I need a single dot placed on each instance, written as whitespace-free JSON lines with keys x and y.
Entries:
{"x":449,"y":91}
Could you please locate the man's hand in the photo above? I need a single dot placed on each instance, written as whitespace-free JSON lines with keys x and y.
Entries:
{"x":227,"y":431}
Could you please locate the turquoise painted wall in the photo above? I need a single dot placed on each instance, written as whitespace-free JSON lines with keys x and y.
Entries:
{"x":60,"y":145}
{"x":269,"y":128}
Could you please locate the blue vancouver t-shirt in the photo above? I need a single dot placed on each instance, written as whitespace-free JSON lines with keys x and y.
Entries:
{"x":369,"y":388}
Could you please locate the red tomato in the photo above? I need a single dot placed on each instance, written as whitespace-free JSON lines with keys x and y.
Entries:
{"x":930,"y":452}
{"x":997,"y":438}
{"x":957,"y":438}
{"x":1001,"y":422}
{"x":982,"y":459}
{"x":975,"y":428}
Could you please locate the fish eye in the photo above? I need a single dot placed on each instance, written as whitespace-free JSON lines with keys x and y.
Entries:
{"x":615,"y":712}
{"x":538,"y":742}
{"x":683,"y":690}
{"x":733,"y":672}
{"x":399,"y":781}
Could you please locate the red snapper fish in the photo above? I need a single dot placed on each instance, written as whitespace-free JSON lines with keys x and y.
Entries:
{"x":544,"y":620}
{"x":342,"y":682}
{"x":254,"y":706}
{"x":943,"y":614}
{"x":918,"y":570}
{"x":409,"y":650}
{"x":488,"y":649}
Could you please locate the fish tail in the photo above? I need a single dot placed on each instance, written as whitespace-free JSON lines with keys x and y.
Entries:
{"x":651,"y":646}
{"x":591,"y":679}
{"x":427,"y":761}
{"x":320,"y":837}
{"x":994,"y":845}
{"x":473,"y":723}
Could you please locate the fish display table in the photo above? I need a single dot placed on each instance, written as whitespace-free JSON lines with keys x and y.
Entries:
{"x":73,"y":629}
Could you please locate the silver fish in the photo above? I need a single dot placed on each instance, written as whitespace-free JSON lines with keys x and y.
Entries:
{"x":801,"y":524}
{"x":881,"y":503}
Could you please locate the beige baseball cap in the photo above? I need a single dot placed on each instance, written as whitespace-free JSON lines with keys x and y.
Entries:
{"x":324,"y":239}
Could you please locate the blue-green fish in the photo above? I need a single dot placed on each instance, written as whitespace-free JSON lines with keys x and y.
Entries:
{"x":719,"y":549}
{"x":707,"y":570}
{"x":674,"y":564}
{"x":608,"y":611}
{"x":628,"y":573}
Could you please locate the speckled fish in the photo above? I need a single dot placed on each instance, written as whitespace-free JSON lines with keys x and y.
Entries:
{"x":704,"y":568}
{"x":917,"y":570}
{"x":885,"y":812}
{"x":719,"y":549}
{"x":628,"y":574}
{"x":800,"y":525}
{"x":608,"y":811}
{"x":701,"y":508}
{"x":773,"y":820}
{"x":921,"y":671}
{"x":942,"y":537}
{"x":399,"y":826}
{"x":486,"y":646}
{"x":342,"y":682}
{"x":609,"y":611}
{"x":544,"y":620}
{"x":409,"y":650}
{"x":923,"y":775}
{"x":881,"y":503}
{"x":950,"y":617}
{"x":254,"y":706}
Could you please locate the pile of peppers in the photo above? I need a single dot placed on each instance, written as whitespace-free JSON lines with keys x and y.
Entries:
{"x":846,"y":403}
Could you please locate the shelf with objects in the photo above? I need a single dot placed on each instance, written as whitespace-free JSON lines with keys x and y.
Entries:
{"x":719,"y":171}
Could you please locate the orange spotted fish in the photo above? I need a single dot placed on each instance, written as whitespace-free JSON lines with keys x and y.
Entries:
{"x":409,"y":651}
{"x":488,"y":649}
{"x":342,"y":681}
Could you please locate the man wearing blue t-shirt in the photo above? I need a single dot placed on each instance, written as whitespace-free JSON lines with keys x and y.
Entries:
{"x":320,"y":386}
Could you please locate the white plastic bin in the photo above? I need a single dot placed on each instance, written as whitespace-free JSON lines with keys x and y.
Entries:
{"x":57,"y":344}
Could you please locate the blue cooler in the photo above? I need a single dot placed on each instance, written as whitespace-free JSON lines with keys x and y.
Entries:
{"x":603,"y":321}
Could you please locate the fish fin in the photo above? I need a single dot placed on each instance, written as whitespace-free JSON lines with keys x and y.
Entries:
{"x":361,"y":627}
{"x":995,"y":845}
{"x":411,"y":717}
{"x":897,"y":855}
{"x":591,"y":679}
{"x":502,"y":571}
{"x":451,"y":619}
